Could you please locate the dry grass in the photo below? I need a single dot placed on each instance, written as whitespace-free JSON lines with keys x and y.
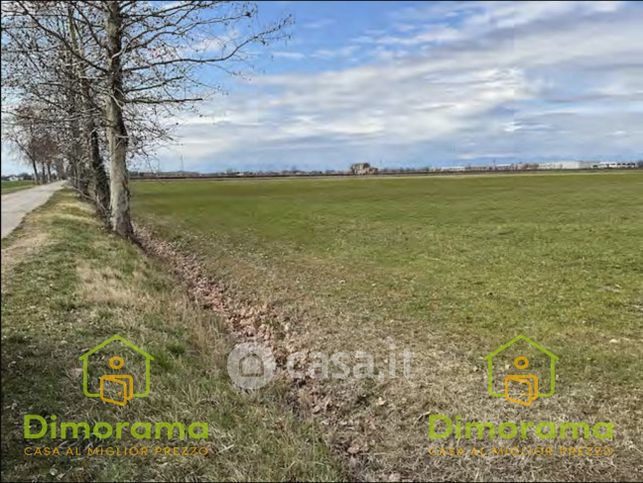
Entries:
{"x":380,"y":426}
{"x":27,"y":243}
{"x":85,"y":285}
{"x":106,"y":286}
{"x":450,"y":268}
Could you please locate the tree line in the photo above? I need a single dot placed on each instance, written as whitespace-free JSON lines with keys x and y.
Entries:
{"x":88,"y":86}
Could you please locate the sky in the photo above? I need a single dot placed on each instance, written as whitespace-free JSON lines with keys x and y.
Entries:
{"x":413,"y":84}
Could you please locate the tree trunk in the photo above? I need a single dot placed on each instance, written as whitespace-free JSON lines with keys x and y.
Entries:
{"x":100,"y":186}
{"x":36,"y":178}
{"x":48,"y":172}
{"x":116,"y":131}
{"x":43,"y":179}
{"x":60,"y":169}
{"x":100,"y":183}
{"x":76,"y":170}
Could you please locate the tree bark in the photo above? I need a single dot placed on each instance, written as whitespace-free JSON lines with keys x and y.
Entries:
{"x":59,"y":167}
{"x":48,"y":172}
{"x":116,"y":131}
{"x":36,"y":178}
{"x":99,"y":180}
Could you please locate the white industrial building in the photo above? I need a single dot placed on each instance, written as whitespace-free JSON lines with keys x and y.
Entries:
{"x":565,"y":165}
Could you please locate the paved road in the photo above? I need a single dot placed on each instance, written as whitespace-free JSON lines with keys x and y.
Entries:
{"x":17,"y":204}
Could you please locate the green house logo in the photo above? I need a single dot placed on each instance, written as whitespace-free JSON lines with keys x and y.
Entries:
{"x":522,"y":384}
{"x":117,"y":385}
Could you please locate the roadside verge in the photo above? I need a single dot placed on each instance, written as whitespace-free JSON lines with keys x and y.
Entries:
{"x":67,"y":285}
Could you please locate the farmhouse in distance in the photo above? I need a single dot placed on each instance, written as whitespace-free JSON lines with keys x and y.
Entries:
{"x":363,"y":168}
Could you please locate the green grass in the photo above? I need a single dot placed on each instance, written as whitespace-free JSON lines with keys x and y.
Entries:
{"x":472,"y":253}
{"x":68,"y":284}
{"x":11,"y":186}
{"x":444,"y":265}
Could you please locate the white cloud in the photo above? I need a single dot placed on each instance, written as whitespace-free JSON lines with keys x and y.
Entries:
{"x":481,"y":18}
{"x":322,"y":54}
{"x":289,"y":55}
{"x":318,"y":24}
{"x":564,"y":83}
{"x":336,"y":53}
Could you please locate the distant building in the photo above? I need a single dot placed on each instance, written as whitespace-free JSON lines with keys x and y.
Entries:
{"x":363,"y":168}
{"x":615,"y":164}
{"x":565,"y":165}
{"x":17,"y":177}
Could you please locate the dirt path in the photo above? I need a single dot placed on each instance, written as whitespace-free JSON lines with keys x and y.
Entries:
{"x":16,"y":205}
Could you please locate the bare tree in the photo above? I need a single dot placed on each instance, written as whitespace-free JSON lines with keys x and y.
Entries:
{"x":152,"y":64}
{"x":86,"y":102}
{"x":136,"y":64}
{"x":36,"y":74}
{"x":116,"y":130}
{"x":34,"y":140}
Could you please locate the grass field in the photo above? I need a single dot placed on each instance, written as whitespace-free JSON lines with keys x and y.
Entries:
{"x":68,"y":284}
{"x":10,"y":186}
{"x":450,"y":268}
